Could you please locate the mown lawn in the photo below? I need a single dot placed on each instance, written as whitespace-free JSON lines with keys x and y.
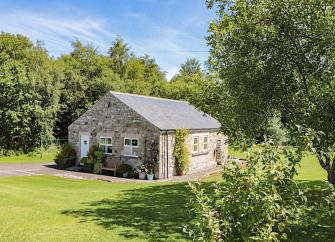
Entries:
{"x":46,"y":208}
{"x":309,"y":169}
{"x":47,"y":156}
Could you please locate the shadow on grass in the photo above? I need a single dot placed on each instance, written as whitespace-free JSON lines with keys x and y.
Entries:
{"x":159,"y":212}
{"x":319,"y":226}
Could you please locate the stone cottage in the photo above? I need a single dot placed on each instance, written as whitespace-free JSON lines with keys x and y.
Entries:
{"x":129,"y":127}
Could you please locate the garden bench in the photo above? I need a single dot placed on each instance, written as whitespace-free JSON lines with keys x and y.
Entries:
{"x":111,"y":164}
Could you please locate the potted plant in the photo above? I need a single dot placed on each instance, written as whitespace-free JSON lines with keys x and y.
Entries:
{"x":150,"y":170}
{"x":142,"y":174}
{"x":124,"y":169}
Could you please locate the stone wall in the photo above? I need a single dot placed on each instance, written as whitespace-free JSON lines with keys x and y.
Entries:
{"x":112,"y":118}
{"x":199,"y":162}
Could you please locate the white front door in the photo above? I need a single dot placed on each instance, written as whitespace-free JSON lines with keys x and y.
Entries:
{"x":84,"y":145}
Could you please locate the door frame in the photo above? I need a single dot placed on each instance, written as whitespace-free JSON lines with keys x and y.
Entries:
{"x":80,"y":141}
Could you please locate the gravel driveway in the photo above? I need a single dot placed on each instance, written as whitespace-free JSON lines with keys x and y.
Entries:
{"x":51,"y":169}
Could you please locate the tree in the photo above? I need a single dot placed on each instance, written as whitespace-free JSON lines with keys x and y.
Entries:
{"x":257,"y":203}
{"x":86,"y":77}
{"x":119,"y":55}
{"x":143,"y":76}
{"x":190,"y":67}
{"x":29,"y":93}
{"x":187,"y":83}
{"x":275,"y":56}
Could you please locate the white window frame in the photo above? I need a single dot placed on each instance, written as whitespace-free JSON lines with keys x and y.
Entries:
{"x":200,"y":144}
{"x":193,"y":144}
{"x":131,"y":146}
{"x":205,"y":143}
{"x":105,"y":145}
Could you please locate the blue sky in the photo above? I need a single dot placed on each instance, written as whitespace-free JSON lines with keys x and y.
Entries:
{"x":168,"y":30}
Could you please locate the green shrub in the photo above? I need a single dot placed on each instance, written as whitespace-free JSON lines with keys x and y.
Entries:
{"x":123,"y":168}
{"x":95,"y":155}
{"x":83,"y":160}
{"x":134,"y":174}
{"x":97,"y":168}
{"x":180,"y":152}
{"x":276,"y":132}
{"x":66,"y":157}
{"x":259,"y":202}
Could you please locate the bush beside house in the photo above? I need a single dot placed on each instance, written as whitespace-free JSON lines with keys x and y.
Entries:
{"x":180,"y":152}
{"x":66,"y":157}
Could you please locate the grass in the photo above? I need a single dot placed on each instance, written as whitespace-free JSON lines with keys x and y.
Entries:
{"x":47,"y":208}
{"x":34,"y":157}
{"x":309,"y":169}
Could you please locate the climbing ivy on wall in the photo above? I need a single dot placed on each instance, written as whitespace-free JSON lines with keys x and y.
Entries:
{"x":181,"y":152}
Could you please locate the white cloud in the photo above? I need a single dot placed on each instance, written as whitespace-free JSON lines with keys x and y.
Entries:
{"x":144,"y":35}
{"x":56,"y":32}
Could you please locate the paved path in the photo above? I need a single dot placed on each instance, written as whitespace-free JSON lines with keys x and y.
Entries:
{"x":51,"y":169}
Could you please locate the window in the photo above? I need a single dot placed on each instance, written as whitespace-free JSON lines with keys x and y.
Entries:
{"x":195,"y":145}
{"x":106,"y":144}
{"x":130,"y":144}
{"x":205,"y":143}
{"x":200,"y":144}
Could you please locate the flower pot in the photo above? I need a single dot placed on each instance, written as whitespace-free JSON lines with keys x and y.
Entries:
{"x":150,"y":177}
{"x":125,"y":174}
{"x":142,"y":175}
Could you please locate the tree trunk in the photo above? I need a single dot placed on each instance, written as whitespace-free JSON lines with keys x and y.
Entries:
{"x":328,"y":164}
{"x":331,"y":176}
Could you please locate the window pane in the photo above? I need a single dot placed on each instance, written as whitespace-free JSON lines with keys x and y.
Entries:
{"x":109,"y":141}
{"x":205,"y":146}
{"x":102,"y":140}
{"x":127,"y":150}
{"x":205,"y":139}
{"x":134,"y":142}
{"x":195,"y":147}
{"x":127,"y":142}
{"x":195,"y":140}
{"x":109,"y":149}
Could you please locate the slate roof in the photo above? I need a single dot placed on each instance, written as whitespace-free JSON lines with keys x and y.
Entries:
{"x":168,"y":114}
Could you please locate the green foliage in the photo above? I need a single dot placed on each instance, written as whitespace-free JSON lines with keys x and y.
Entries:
{"x":276,"y":132}
{"x":180,"y":152}
{"x":187,"y":83}
{"x":190,"y":67}
{"x":29,"y":93}
{"x":274,"y":56}
{"x":95,"y":155}
{"x":41,"y":96}
{"x":119,"y":55}
{"x":123,"y":168}
{"x":66,"y":157}
{"x":86,"y":76}
{"x":97,"y":168}
{"x":259,"y":202}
